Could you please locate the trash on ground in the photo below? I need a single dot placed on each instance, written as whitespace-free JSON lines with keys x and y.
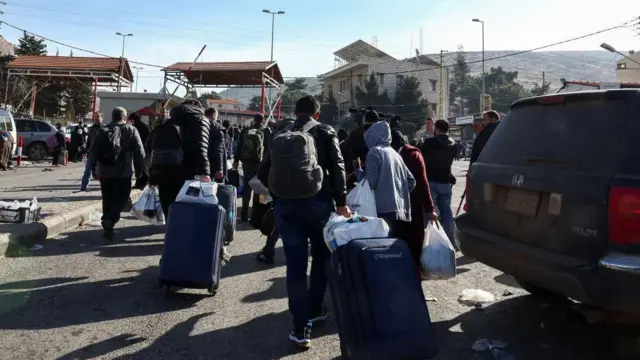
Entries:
{"x":430,"y":298}
{"x":94,"y":219}
{"x":480,"y":306}
{"x":20,"y":211}
{"x":15,"y":204}
{"x":494,"y":347}
{"x":47,"y":169}
{"x":471,"y":297}
{"x":507,"y":292}
{"x":36,"y":247}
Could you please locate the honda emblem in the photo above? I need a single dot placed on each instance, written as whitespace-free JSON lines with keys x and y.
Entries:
{"x":517,"y":180}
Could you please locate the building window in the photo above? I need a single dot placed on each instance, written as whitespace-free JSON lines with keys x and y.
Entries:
{"x":434,"y":107}
{"x":330,"y":87}
{"x":622,"y":66}
{"x":381,"y":75}
{"x":399,"y":78}
{"x":434,"y":85}
{"x":360,"y":79}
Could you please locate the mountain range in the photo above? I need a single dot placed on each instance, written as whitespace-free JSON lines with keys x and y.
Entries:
{"x":593,"y":65}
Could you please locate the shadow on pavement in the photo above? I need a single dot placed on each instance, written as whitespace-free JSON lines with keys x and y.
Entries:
{"x":506,"y":279}
{"x":102,"y":348}
{"x":86,"y":303}
{"x":534,"y":332}
{"x":58,"y":187}
{"x":264,"y":337}
{"x":277,"y":290}
{"x":245,"y":264}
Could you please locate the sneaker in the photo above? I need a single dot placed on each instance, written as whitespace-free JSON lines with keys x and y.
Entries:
{"x":319,"y":316}
{"x":301,"y":337}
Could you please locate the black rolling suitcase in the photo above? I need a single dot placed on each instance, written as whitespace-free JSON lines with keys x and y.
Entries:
{"x":192,"y":246}
{"x":378,"y":301}
{"x":227,"y":197}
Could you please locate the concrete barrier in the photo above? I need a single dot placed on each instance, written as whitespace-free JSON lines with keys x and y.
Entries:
{"x":22,"y":236}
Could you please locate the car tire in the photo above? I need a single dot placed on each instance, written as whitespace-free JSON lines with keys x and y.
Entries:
{"x":37,"y":151}
{"x":538,"y":292}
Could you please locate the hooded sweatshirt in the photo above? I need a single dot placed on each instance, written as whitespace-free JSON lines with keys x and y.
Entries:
{"x":388,"y":176}
{"x":439,"y":152}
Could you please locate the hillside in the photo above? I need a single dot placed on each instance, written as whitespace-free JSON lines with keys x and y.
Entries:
{"x":571,"y":65}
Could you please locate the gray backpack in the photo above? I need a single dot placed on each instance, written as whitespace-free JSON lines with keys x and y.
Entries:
{"x":295,"y":172}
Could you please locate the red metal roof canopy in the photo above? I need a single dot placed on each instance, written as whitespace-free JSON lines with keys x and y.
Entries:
{"x":33,"y":65}
{"x":223,"y":74}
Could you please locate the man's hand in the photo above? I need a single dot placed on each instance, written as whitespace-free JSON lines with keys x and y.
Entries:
{"x":356,"y":164}
{"x":219,"y":175}
{"x":433,"y":217}
{"x":344,"y":211}
{"x":205,"y":178}
{"x":235,"y":164}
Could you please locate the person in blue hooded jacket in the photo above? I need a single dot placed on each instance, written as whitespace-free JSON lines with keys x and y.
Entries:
{"x":388,"y":177}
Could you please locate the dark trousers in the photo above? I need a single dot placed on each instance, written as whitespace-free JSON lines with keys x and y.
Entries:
{"x":299,"y":222}
{"x":115,"y":196}
{"x":169,"y":186}
{"x":73,"y":153}
{"x":249,"y":170}
{"x":56,"y":155}
{"x":269,"y":249}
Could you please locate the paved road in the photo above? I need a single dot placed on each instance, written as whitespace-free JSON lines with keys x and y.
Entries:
{"x":82,"y":298}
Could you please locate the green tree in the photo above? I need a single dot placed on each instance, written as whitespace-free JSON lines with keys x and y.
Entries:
{"x":78,"y":98}
{"x":30,"y":45}
{"x":71,"y":53}
{"x":460,"y":78}
{"x":298,"y":84}
{"x":49,"y":100}
{"x":538,"y":90}
{"x":500,"y":84}
{"x":409,"y":103}
{"x":369,"y":93}
{"x":294,"y":91}
{"x":254,"y":103}
{"x":329,"y":109}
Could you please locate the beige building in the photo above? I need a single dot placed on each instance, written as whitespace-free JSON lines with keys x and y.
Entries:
{"x":628,"y":70}
{"x":357,"y":61}
{"x":232,"y":110}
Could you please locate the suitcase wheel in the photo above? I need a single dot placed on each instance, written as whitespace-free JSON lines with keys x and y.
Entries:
{"x":212,"y":290}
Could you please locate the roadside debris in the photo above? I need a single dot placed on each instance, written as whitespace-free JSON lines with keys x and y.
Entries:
{"x":507,"y":292}
{"x":472,"y":297}
{"x":430,"y":298}
{"x":36,"y":247}
{"x":94,"y":219}
{"x":494,"y":347}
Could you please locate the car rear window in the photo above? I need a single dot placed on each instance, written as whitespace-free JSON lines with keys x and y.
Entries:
{"x":577,"y":135}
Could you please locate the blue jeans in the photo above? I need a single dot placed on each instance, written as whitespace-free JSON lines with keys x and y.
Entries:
{"x":441,"y":194}
{"x":269,"y":249}
{"x":86,"y":177}
{"x":299,"y":222}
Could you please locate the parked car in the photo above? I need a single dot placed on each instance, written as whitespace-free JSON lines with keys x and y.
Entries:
{"x":7,"y":123}
{"x":554,"y":199}
{"x":35,"y":134}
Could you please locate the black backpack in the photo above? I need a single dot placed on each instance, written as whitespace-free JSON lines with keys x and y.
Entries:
{"x":295,"y":172}
{"x":108,"y":145}
{"x":166,"y":146}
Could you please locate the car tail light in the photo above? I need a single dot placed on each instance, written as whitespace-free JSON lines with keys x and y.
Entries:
{"x":550,"y":99}
{"x":624,"y":215}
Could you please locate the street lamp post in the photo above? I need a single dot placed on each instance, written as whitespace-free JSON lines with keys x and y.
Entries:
{"x":273,"y":25}
{"x":613,"y":50}
{"x":124,"y":36}
{"x":138,"y":68}
{"x":483,"y":73}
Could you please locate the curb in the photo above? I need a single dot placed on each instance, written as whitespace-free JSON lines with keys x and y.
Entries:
{"x":26,"y":235}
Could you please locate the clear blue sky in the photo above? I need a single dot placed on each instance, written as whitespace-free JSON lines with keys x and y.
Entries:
{"x":310,"y":31}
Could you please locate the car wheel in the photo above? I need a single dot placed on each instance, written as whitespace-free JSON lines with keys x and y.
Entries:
{"x":37,"y":151}
{"x":540,"y":293}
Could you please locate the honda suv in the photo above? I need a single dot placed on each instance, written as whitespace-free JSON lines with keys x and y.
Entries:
{"x":554,"y":198}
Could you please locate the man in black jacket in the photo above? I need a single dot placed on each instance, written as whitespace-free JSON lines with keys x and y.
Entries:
{"x":194,"y":130}
{"x":490,"y":121}
{"x":439,"y":152}
{"x":301,"y":220}
{"x":250,"y":165}
{"x":217,"y":151}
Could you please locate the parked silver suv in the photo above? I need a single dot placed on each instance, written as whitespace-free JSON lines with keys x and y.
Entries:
{"x":35,"y":133}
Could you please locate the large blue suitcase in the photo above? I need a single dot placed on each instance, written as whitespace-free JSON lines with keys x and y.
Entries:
{"x":192,"y":246}
{"x":379,"y":304}
{"x":227,"y":197}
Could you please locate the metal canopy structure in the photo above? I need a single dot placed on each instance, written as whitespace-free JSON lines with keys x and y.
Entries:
{"x":263,"y":74}
{"x":41,"y":71}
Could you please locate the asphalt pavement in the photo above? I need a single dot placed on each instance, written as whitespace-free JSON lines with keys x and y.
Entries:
{"x":80,"y":297}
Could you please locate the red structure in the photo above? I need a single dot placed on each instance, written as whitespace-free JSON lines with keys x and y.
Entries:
{"x":41,"y":71}
{"x":263,"y":74}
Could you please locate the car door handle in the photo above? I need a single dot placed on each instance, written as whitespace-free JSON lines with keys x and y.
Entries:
{"x":32,"y":134}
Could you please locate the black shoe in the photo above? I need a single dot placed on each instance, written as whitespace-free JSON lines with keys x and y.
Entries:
{"x":319,"y":316}
{"x":108,"y":234}
{"x":107,"y":225}
{"x":301,"y":337}
{"x":244,"y":218}
{"x":263,"y":258}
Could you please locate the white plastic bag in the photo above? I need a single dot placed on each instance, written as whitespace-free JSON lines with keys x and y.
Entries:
{"x":196,"y":191}
{"x":438,"y":258}
{"x":148,"y":207}
{"x":340,"y":230}
{"x":362,"y":200}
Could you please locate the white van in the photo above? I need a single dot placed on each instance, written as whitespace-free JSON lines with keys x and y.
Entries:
{"x":7,"y":124}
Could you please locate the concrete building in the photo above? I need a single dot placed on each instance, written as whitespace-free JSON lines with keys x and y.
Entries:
{"x":232,"y":110}
{"x":357,"y":61}
{"x":147,"y":105}
{"x":628,"y":71}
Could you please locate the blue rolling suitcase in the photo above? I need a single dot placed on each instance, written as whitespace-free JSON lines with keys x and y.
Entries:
{"x":379,"y":305}
{"x":227,"y":197}
{"x":192,"y":246}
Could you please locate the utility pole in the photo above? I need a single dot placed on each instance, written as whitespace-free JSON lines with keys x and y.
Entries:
{"x":138,"y":68}
{"x":124,"y":36}
{"x":442,"y":87}
{"x":273,"y":25}
{"x":484,"y":90}
{"x":543,"y":85}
